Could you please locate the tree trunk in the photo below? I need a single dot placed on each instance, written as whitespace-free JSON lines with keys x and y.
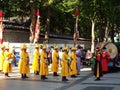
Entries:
{"x":107,"y":30}
{"x":47,"y":24}
{"x":33,"y":22}
{"x":93,"y":36}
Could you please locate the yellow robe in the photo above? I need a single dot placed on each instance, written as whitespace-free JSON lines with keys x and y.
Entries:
{"x":24,"y":63}
{"x":43,"y":63}
{"x":55,"y":62}
{"x":36,"y":61}
{"x":2,"y":59}
{"x":65,"y":67}
{"x":73,"y":64}
{"x":7,"y":66}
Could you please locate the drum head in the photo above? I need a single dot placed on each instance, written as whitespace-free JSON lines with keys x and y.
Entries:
{"x":112,"y":50}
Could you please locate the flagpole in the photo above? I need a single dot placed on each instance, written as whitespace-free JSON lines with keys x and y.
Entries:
{"x":37,"y":27}
{"x":76,"y":32}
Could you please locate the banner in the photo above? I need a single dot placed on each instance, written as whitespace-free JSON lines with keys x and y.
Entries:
{"x":1,"y":27}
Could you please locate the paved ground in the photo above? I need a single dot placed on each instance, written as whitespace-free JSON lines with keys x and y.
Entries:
{"x":84,"y":81}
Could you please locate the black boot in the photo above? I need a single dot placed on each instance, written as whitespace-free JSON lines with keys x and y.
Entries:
{"x":42,"y":77}
{"x":6,"y":74}
{"x":55,"y":74}
{"x":64,"y":78}
{"x":22,"y":76}
{"x":37,"y":72}
{"x":26,"y":76}
{"x":97,"y":79}
{"x":73,"y":76}
{"x":45,"y":77}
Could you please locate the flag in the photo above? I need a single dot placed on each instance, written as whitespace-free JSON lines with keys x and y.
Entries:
{"x":1,"y":27}
{"x":37,"y":27}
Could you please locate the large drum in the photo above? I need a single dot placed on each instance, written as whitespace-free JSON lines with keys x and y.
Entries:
{"x":111,"y":48}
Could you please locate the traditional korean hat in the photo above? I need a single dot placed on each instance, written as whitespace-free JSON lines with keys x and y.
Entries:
{"x":44,"y":47}
{"x":7,"y":47}
{"x":36,"y":45}
{"x":65,"y":48}
{"x":24,"y":46}
{"x":98,"y":49}
{"x":74,"y":48}
{"x":2,"y":46}
{"x":56,"y":47}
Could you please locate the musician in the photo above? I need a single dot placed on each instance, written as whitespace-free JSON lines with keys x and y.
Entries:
{"x":98,"y":67}
{"x":65,"y":62}
{"x":24,"y":62}
{"x":55,"y":61}
{"x":105,"y":60}
{"x":36,"y":60}
{"x":43,"y":63}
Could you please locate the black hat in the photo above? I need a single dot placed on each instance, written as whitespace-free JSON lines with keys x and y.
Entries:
{"x":104,"y":48}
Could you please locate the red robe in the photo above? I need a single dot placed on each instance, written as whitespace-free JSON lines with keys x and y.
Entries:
{"x":105,"y":57}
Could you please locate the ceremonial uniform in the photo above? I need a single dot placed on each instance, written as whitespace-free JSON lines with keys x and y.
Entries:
{"x":7,"y":66}
{"x":36,"y":60}
{"x":2,"y":57}
{"x":43,"y":64}
{"x":98,"y":67}
{"x":73,"y":63}
{"x":105,"y":57}
{"x":65,"y":64}
{"x":24,"y":62}
{"x":55,"y":61}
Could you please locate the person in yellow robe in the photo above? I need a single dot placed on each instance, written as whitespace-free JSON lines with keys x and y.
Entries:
{"x":65,"y":64}
{"x":7,"y":66}
{"x":73,"y":63}
{"x":36,"y":60}
{"x":55,"y":61}
{"x":24,"y":62}
{"x":2,"y":58}
{"x":43,"y":63}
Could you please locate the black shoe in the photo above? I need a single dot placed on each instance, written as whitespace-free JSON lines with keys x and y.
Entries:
{"x":37,"y":73}
{"x":42,"y":77}
{"x":6,"y":75}
{"x":26,"y":76}
{"x":97,"y":79}
{"x":45,"y":77}
{"x":73,"y":76}
{"x":64,"y":79}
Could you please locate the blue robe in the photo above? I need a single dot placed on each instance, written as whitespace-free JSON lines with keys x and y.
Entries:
{"x":78,"y":53}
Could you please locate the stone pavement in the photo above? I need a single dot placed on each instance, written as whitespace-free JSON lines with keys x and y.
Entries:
{"x":84,"y":81}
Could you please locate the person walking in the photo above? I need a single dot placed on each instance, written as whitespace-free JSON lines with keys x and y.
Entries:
{"x":65,"y":66}
{"x":43,"y":64}
{"x":2,"y":57}
{"x":73,"y":63}
{"x":24,"y":62}
{"x":55,"y":61}
{"x":36,"y":60}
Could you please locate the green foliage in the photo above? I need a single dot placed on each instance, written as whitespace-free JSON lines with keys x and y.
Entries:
{"x":62,"y":18}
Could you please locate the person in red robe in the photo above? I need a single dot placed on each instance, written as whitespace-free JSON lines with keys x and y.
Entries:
{"x":105,"y":60}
